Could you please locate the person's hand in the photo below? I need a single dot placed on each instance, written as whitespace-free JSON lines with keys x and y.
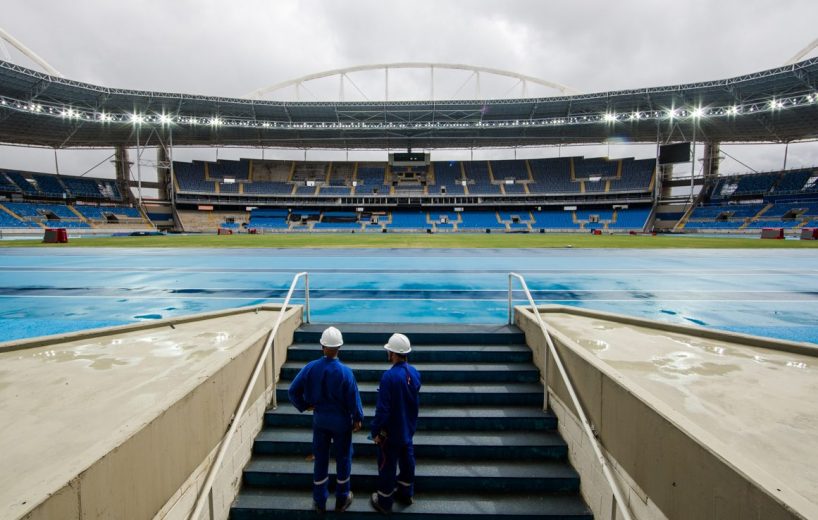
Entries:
{"x":310,"y":408}
{"x":356,"y":426}
{"x":377,"y":439}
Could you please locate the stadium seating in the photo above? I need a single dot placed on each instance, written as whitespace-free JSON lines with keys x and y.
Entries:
{"x":6,"y":185}
{"x":310,"y":171}
{"x":238,"y":170}
{"x":101,"y":213}
{"x":8,"y":221}
{"x":509,"y":169}
{"x":371,"y":175}
{"x":262,"y":218}
{"x":631,"y":218}
{"x":305,"y":190}
{"x":588,"y":168}
{"x":792,"y":181}
{"x":405,"y":219}
{"x":478,"y":219}
{"x":636,"y":175}
{"x":334,"y":190}
{"x":554,"y":219}
{"x":552,"y":176}
{"x":514,"y":189}
{"x":268,"y":188}
{"x":191,"y":177}
{"x":229,"y":187}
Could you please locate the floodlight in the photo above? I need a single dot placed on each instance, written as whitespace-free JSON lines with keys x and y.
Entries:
{"x":164,"y":119}
{"x":609,"y":117}
{"x":698,"y":112}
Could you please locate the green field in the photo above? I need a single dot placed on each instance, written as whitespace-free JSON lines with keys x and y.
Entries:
{"x":425,"y":241}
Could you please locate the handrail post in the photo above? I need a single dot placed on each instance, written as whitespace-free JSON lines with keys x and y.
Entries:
{"x":510,"y":322}
{"x":307,"y":295}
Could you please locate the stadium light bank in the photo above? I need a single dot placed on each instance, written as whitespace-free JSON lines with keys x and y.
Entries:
{"x":90,"y":116}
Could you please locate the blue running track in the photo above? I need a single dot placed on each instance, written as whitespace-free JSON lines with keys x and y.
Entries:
{"x":769,"y":293}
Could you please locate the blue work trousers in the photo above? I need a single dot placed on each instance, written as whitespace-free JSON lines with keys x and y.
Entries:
{"x":392,"y":457}
{"x":321,"y":439}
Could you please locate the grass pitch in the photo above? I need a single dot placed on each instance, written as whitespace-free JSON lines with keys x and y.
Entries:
{"x":454,"y":241}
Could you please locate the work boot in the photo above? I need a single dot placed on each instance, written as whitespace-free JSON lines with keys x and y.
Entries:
{"x":404,"y":499}
{"x":341,"y":506}
{"x":318,"y":508}
{"x":377,"y":505}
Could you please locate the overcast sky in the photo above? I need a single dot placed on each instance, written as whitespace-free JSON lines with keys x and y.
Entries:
{"x":232,"y":48}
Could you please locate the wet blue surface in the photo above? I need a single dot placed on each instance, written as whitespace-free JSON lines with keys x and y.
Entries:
{"x":770,"y":293}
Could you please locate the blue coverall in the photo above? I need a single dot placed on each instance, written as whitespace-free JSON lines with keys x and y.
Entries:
{"x":330,"y":388}
{"x":395,"y":419}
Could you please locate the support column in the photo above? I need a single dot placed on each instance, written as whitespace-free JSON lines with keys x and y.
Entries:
{"x":123,"y":167}
{"x":163,"y":173}
{"x":711,"y":160}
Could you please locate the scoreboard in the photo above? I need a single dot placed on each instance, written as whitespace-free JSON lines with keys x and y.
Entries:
{"x":409,"y":159}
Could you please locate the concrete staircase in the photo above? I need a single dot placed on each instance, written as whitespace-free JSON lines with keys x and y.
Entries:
{"x":484,"y":447}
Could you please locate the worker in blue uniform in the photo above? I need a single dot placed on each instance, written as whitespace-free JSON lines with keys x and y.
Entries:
{"x":394,"y":427}
{"x":328,"y":387}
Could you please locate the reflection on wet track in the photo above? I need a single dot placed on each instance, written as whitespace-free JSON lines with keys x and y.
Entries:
{"x":770,"y":293}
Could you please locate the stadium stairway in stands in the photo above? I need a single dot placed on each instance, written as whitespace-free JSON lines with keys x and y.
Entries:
{"x":484,"y":447}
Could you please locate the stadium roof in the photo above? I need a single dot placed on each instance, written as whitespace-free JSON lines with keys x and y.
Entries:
{"x":775,"y":105}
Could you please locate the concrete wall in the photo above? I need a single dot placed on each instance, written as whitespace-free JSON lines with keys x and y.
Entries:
{"x":662,"y":469}
{"x":158,"y":471}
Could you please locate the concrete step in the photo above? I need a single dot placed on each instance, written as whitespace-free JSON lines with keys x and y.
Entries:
{"x":438,"y":372}
{"x":471,"y":476}
{"x":254,"y":503}
{"x":475,"y":418}
{"x":420,"y":353}
{"x":419,"y":334}
{"x":441,"y":446}
{"x":507,"y":394}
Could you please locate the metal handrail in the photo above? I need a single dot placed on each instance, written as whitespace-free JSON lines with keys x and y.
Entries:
{"x":586,"y":425}
{"x":211,"y":475}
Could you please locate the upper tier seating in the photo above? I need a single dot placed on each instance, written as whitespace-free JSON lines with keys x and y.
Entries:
{"x":477,"y":172}
{"x":239,"y":170}
{"x":7,"y":186}
{"x":509,"y":169}
{"x":268,"y":188}
{"x":792,"y":181}
{"x":636,"y":175}
{"x":371,"y":175}
{"x":191,"y":177}
{"x":552,"y":176}
{"x":38,"y":185}
{"x":587,"y":168}
{"x":310,"y":171}
{"x":514,"y":189}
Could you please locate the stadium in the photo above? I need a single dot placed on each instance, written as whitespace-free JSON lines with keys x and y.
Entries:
{"x":599,"y":336}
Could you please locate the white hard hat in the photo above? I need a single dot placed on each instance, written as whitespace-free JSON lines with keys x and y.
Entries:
{"x":399,"y":344}
{"x":332,"y":338}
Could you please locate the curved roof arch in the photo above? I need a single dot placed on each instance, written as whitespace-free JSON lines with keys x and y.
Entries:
{"x":563,"y":89}
{"x":775,"y":105}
